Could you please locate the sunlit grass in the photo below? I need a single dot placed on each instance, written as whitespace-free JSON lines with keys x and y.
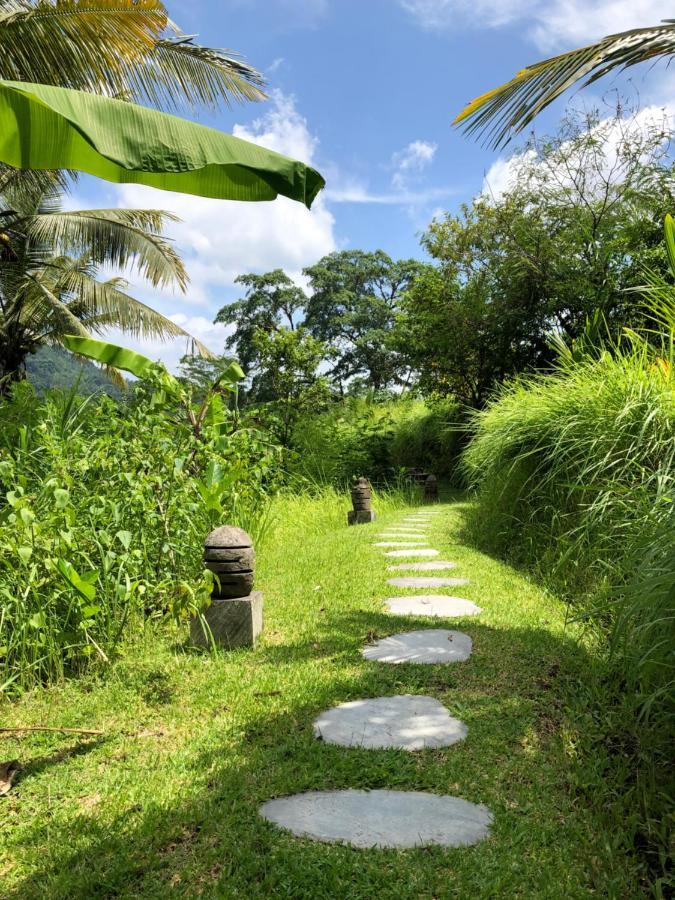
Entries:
{"x":166,"y":802}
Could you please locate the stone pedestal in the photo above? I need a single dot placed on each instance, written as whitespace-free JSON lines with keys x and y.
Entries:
{"x":431,"y":489}
{"x":234,"y":617}
{"x":235,"y":622}
{"x":360,"y":516}
{"x":362,"y":502}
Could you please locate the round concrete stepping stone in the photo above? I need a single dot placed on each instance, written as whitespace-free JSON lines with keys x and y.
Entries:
{"x":399,"y":543}
{"x":432,"y":605}
{"x":404,"y":722}
{"x":366,"y":819}
{"x":420,"y":581}
{"x":411,"y":552}
{"x":431,"y":645}
{"x":412,"y":566}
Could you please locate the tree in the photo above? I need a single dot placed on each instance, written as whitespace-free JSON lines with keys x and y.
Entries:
{"x":50,"y":259}
{"x":49,"y":266}
{"x":569,"y":236}
{"x":288,"y":376}
{"x":126,"y":49}
{"x":353,"y":307}
{"x":512,"y":106}
{"x":272,"y":302}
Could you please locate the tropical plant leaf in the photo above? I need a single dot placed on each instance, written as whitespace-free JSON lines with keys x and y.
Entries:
{"x":509,"y":108}
{"x":109,"y":354}
{"x":44,"y":127}
{"x":121,"y":48}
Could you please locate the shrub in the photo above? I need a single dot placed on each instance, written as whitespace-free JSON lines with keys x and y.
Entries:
{"x":104,"y":507}
{"x":576,"y":477}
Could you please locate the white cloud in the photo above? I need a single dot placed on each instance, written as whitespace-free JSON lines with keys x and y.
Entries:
{"x":411,"y":161}
{"x":554,"y":25}
{"x":650,"y":122}
{"x":221,"y":239}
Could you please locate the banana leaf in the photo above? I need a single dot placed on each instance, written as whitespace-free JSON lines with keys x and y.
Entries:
{"x":45,"y":127}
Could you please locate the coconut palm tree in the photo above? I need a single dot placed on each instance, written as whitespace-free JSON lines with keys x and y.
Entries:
{"x":50,"y":261}
{"x":128,"y":49}
{"x":509,"y":108}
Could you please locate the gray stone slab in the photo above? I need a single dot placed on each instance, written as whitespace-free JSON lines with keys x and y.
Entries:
{"x":431,"y":645}
{"x":229,"y":623}
{"x":412,"y":552}
{"x":431,"y":605}
{"x":420,"y":581}
{"x":404,"y":722}
{"x":436,"y":565}
{"x":367,"y":819}
{"x":399,"y":543}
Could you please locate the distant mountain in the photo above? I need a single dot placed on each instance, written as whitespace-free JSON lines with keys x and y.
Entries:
{"x":53,"y":367}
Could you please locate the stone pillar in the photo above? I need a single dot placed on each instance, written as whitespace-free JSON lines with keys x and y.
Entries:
{"x":431,"y":489}
{"x":362,"y":502}
{"x":235,"y":614}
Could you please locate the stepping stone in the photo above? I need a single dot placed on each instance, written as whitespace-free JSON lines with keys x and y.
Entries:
{"x":412,"y":566}
{"x":366,"y":819}
{"x":411,"y":552}
{"x":404,"y":722}
{"x":399,"y":543}
{"x":406,"y":535}
{"x":432,"y":645}
{"x":419,"y":581}
{"x":432,"y":605}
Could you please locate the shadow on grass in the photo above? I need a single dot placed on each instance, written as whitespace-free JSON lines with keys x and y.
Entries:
{"x":213,"y":842}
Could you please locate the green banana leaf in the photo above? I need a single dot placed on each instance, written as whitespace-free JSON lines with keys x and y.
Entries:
{"x":45,"y":127}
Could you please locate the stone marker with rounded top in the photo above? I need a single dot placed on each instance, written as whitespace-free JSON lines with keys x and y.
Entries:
{"x":437,"y":605}
{"x":412,"y":552}
{"x":428,"y":646}
{"x":235,"y":616}
{"x":436,"y":565}
{"x":403,"y":722}
{"x":362,"y":511}
{"x":421,"y":581}
{"x":381,"y":818}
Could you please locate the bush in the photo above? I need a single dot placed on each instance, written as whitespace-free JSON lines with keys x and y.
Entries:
{"x":576,"y":477}
{"x":379,"y":440}
{"x":103,"y":512}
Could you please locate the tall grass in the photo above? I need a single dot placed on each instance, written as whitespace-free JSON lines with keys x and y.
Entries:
{"x":575,"y":474}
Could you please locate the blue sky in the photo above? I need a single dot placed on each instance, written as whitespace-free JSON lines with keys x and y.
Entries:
{"x":364,"y":90}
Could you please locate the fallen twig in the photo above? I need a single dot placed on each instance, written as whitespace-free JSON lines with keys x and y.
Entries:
{"x":45,"y":728}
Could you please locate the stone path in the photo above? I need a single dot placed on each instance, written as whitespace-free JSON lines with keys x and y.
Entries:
{"x":431,"y":645}
{"x":417,"y":581}
{"x":439,"y":605}
{"x":403,"y":722}
{"x":383,"y":818}
{"x":366,"y":819}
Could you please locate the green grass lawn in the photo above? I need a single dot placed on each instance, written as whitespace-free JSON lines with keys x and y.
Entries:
{"x":166,"y":803}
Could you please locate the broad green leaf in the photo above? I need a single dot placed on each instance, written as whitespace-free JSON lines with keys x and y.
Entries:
{"x":61,"y":496}
{"x":124,"y":537}
{"x":69,"y":573}
{"x":109,"y":354}
{"x":25,"y":552}
{"x":669,"y":229}
{"x":38,"y":620}
{"x":46,"y":127}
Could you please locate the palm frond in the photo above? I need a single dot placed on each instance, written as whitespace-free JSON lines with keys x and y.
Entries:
{"x":509,"y":108}
{"x":74,"y":44}
{"x":127,"y":49}
{"x":115,"y":237}
{"x":178,"y":69}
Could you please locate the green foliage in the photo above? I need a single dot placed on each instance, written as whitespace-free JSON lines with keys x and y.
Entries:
{"x":378,"y":439}
{"x":288,"y":380}
{"x":353,"y":306}
{"x":103,"y":512}
{"x":576,"y":477}
{"x":574,"y":230}
{"x":53,"y":367}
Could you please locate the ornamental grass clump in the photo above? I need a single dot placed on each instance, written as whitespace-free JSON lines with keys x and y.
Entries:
{"x":575,"y":478}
